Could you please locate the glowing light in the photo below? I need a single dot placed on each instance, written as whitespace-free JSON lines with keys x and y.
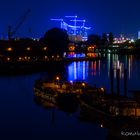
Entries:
{"x":71,"y":48}
{"x":9,"y":49}
{"x":83,"y":84}
{"x":46,"y":57}
{"x":101,"y":126}
{"x":102,"y":89}
{"x":91,"y":54}
{"x":57,"y":78}
{"x":45,"y":48}
{"x":94,"y":67}
{"x":84,"y":71}
{"x":8,"y":59}
{"x":91,"y":48}
{"x":28,"y":49}
{"x":75,"y":71}
{"x":20,"y":58}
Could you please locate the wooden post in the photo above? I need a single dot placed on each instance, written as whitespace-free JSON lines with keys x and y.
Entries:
{"x":112,"y":81}
{"x":118,"y":82}
{"x":125,"y":83}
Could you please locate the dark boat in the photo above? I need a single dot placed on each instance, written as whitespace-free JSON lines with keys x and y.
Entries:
{"x":120,"y":117}
{"x":136,"y":94}
{"x":64,"y":94}
{"x":103,"y":105}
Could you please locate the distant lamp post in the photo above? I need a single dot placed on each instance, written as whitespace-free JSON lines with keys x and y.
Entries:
{"x":8,"y":58}
{"x":71,"y":82}
{"x":83,"y":87}
{"x":57,"y":80}
{"x":45,"y":48}
{"x":20,"y":58}
{"x":28,"y":49}
{"x":25,"y":57}
{"x":9,"y":49}
{"x":46,"y":57}
{"x":101,"y":126}
{"x":83,"y":84}
{"x":103,"y":90}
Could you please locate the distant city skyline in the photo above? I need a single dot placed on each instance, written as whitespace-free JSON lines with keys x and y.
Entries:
{"x":116,"y":16}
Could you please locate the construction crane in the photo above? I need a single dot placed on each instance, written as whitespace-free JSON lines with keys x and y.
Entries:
{"x":13,"y":31}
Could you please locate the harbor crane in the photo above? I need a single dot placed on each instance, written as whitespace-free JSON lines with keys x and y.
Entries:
{"x":13,"y":31}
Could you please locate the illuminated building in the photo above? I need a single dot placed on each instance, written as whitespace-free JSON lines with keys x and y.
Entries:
{"x":138,"y":34}
{"x":71,"y":47}
{"x":91,"y":51}
{"x":122,"y":39}
{"x":91,"y":48}
{"x":77,"y":31}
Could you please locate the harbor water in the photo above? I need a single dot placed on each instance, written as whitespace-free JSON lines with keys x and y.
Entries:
{"x":22,"y":118}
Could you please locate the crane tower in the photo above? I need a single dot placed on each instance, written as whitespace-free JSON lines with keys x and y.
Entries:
{"x":12,"y":31}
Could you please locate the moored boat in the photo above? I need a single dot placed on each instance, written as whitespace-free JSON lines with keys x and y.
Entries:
{"x":64,"y":93}
{"x":109,"y":107}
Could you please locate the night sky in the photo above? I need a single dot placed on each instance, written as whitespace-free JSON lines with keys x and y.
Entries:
{"x":117,"y":16}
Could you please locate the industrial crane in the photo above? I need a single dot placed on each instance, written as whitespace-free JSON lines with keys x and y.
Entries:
{"x":11,"y":31}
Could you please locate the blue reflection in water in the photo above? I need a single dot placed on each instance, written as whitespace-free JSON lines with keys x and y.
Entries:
{"x":90,"y":72}
{"x":98,"y":72}
{"x":77,"y":71}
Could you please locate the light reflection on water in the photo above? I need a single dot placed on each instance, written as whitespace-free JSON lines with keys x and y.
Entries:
{"x":98,"y":72}
{"x":78,"y":71}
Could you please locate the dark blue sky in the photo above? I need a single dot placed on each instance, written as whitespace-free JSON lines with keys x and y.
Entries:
{"x":117,"y":16}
